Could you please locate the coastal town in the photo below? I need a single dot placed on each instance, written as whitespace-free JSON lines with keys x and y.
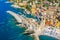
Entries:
{"x":47,"y":12}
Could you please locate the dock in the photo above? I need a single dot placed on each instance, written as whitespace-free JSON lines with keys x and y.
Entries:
{"x":38,"y":30}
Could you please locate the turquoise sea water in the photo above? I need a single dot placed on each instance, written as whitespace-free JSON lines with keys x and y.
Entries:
{"x":8,"y":28}
{"x":44,"y":37}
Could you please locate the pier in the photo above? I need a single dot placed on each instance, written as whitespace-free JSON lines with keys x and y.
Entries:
{"x":39,"y":29}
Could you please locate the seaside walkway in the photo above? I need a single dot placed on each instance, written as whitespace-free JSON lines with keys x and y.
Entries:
{"x":39,"y":31}
{"x":16,"y":16}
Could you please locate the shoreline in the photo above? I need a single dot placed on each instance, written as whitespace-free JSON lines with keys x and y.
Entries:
{"x":17,"y":17}
{"x":19,"y":20}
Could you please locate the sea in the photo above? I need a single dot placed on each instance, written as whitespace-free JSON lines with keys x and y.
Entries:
{"x":8,"y":25}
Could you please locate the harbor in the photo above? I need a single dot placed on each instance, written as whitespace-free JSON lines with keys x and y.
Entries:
{"x":48,"y":15}
{"x":37,"y":29}
{"x":30,"y":20}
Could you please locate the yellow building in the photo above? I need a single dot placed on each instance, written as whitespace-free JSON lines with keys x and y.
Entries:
{"x":33,"y":9}
{"x":57,"y":24}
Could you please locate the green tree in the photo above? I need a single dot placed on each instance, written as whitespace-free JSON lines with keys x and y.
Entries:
{"x":59,"y":4}
{"x":28,"y":7}
{"x":50,"y":0}
{"x":31,"y":1}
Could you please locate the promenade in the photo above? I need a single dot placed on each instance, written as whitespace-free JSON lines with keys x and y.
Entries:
{"x":39,"y":29}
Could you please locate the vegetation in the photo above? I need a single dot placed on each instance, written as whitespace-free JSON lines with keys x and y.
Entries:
{"x":28,"y":7}
{"x":37,"y":3}
{"x":59,"y":4}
